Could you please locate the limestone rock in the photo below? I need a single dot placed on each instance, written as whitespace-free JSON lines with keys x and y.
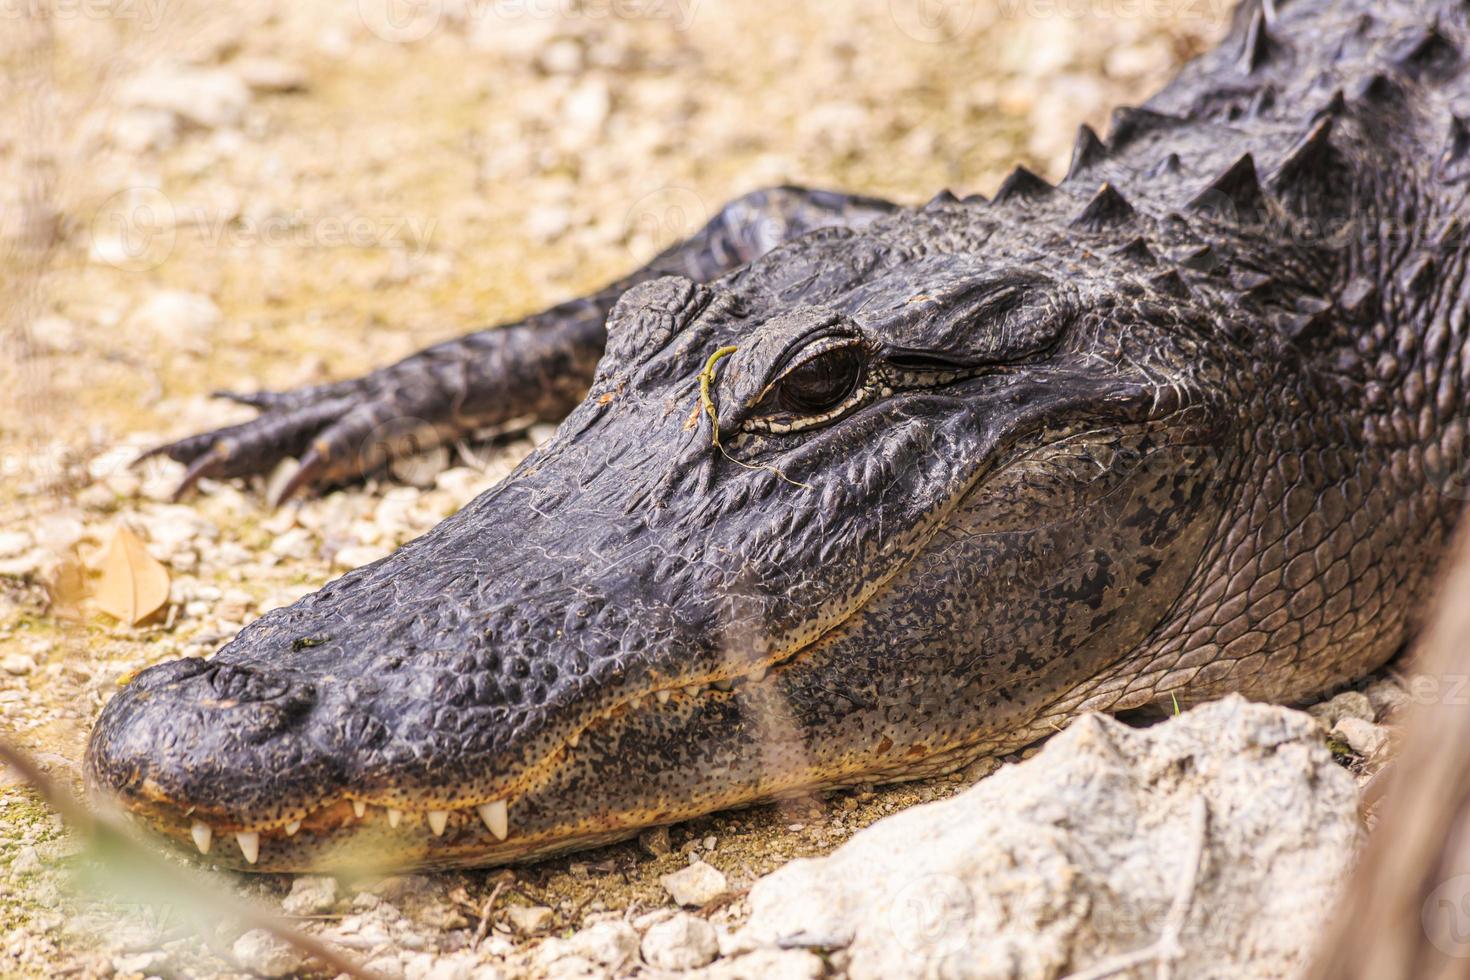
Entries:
{"x":529,"y":919}
{"x":1076,"y":856}
{"x":203,"y":97}
{"x":1363,"y":737}
{"x":694,"y":885}
{"x":266,"y":956}
{"x":680,"y":943}
{"x":310,"y":895}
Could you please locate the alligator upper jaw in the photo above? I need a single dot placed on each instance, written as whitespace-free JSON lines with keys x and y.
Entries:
{"x":362,"y":832}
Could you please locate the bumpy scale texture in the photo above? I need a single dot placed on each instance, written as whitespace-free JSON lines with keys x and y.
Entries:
{"x":1190,"y":422}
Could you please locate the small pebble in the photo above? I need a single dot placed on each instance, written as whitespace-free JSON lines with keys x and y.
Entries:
{"x":655,"y":841}
{"x":529,"y":919}
{"x":1363,"y":737}
{"x":694,"y":885}
{"x":266,"y":956}
{"x":684,"y":942}
{"x":310,"y":895}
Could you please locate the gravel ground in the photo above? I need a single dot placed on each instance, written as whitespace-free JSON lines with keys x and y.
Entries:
{"x":194,"y":198}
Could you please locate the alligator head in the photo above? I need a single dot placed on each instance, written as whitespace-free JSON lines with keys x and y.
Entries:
{"x":930,"y":496}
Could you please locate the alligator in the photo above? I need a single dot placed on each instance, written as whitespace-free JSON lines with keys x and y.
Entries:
{"x":848,"y":492}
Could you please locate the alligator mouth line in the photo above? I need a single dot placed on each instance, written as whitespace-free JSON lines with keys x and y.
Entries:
{"x":347,"y":811}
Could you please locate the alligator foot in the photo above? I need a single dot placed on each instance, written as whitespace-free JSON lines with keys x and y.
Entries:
{"x":538,"y":368}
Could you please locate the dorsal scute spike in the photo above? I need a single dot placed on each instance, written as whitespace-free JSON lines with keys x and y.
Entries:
{"x":1107,"y":209}
{"x":1201,"y":259}
{"x":1359,"y":297}
{"x":1235,"y":194}
{"x":1428,"y":54}
{"x":1305,"y":328}
{"x":1023,"y":184}
{"x":1419,"y":280}
{"x":1336,"y":105}
{"x":1257,"y":49}
{"x":1378,"y":89}
{"x":1137,"y":251}
{"x":1171,"y":283}
{"x":1086,"y":152}
{"x":1171,"y":164}
{"x":1307,"y":157}
{"x":1128,"y":123}
{"x":941,"y":199}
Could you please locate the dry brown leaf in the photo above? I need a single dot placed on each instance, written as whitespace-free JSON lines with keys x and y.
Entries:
{"x":133,"y":585}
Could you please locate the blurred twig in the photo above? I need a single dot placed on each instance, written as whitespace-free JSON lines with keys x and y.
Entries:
{"x":105,"y":832}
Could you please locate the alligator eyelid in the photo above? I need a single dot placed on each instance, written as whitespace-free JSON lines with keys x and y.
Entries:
{"x":809,"y":351}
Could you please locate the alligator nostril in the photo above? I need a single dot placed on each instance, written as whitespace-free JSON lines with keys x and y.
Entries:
{"x":168,"y":673}
{"x":244,"y":684}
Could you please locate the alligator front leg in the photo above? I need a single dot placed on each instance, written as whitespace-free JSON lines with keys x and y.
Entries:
{"x":539,"y":367}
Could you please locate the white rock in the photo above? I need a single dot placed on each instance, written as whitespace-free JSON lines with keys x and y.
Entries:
{"x":266,"y":956}
{"x":768,"y":964}
{"x":529,"y":918}
{"x":1073,"y":857}
{"x":357,"y":556}
{"x":1363,"y":737}
{"x":310,"y":894}
{"x":55,"y":335}
{"x":58,"y":533}
{"x":457,"y":966}
{"x":683,"y":942}
{"x":585,"y":109}
{"x":612,"y":943}
{"x":14,"y":543}
{"x":389,"y":966}
{"x":205,"y":97}
{"x":1348,"y":704}
{"x":145,"y":130}
{"x":18,"y":664}
{"x":150,"y":962}
{"x":270,"y":74}
{"x":187,"y":320}
{"x":26,"y":861}
{"x":694,"y":885}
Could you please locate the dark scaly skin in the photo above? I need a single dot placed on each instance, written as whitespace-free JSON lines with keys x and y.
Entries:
{"x":1189,"y":423}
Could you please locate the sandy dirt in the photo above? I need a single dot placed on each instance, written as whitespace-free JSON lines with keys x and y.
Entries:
{"x":195,"y":196}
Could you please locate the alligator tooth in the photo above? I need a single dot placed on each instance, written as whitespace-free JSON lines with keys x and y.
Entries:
{"x":757,"y":673}
{"x":359,"y":808}
{"x":249,"y":845}
{"x":693,"y":690}
{"x":292,"y":827}
{"x":497,"y":817}
{"x":574,"y":738}
{"x":202,"y":835}
{"x":438,"y":820}
{"x":663,"y":696}
{"x":394,"y":815}
{"x":723,"y":685}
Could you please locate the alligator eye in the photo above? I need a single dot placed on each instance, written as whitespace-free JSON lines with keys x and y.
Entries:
{"x":822,"y":383}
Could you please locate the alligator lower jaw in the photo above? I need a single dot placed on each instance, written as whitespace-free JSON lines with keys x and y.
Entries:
{"x":346,"y":838}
